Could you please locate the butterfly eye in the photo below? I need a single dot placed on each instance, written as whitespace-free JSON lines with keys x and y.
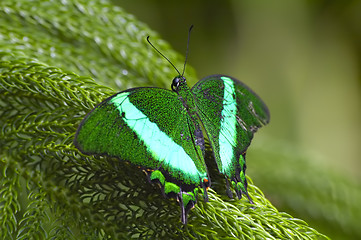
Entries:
{"x":176,"y":82}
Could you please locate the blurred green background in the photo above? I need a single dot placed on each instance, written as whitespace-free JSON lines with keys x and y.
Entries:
{"x":302,"y":57}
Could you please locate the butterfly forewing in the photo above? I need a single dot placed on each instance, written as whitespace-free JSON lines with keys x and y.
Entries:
{"x":230,"y":113}
{"x":147,"y":127}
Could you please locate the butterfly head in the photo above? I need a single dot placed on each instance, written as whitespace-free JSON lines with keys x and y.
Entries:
{"x":178,"y":82}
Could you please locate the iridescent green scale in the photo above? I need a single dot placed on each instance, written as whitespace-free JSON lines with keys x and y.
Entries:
{"x":161,"y":130}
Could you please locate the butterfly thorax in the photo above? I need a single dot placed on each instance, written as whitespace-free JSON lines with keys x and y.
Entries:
{"x":179,"y":85}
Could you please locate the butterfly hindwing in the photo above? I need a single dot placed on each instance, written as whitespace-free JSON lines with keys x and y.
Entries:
{"x":148,"y":127}
{"x":230,"y":113}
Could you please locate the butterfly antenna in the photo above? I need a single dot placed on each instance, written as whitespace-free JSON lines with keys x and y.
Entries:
{"x":189,"y":36}
{"x":163,"y":56}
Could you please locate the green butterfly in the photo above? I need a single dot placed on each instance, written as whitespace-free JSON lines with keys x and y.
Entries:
{"x":162,"y":132}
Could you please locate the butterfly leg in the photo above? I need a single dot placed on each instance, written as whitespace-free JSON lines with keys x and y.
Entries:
{"x":187,"y":201}
{"x":205,"y":185}
{"x":183,"y":210}
{"x":186,"y":204}
{"x":228,"y":189}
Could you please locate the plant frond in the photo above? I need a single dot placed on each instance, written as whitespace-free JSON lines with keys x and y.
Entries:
{"x":307,"y":188}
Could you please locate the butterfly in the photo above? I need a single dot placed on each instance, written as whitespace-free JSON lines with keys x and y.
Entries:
{"x":164,"y":132}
